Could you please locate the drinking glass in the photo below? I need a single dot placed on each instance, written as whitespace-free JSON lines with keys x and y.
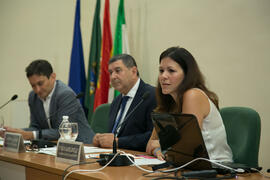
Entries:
{"x":65,"y":131}
{"x":74,"y":131}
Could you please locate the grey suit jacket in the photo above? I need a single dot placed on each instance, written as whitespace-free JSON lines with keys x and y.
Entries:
{"x":63,"y":102}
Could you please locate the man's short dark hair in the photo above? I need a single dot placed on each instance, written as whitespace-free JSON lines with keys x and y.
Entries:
{"x":127,"y":60}
{"x":39,"y":67}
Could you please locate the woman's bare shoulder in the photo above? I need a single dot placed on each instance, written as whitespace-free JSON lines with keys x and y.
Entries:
{"x":194,"y":93}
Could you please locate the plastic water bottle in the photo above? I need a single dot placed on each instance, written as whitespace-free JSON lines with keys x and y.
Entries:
{"x":65,"y":129}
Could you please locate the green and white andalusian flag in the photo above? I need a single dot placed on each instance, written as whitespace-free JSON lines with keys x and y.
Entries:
{"x":120,"y":45}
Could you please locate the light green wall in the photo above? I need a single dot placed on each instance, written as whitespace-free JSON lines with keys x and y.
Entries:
{"x":229,"y":38}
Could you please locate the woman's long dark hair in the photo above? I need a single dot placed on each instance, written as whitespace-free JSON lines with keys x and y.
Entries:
{"x":193,"y":79}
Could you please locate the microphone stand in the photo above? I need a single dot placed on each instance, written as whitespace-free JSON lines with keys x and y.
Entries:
{"x":119,"y":159}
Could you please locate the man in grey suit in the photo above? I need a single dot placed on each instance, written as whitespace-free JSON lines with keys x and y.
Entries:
{"x":48,"y":102}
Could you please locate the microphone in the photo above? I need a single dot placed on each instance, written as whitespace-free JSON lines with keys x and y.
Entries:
{"x":80,"y":95}
{"x":144,"y":97}
{"x":121,"y":160}
{"x":15,"y":96}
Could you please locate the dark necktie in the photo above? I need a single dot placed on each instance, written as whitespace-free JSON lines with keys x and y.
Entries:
{"x":122,"y":108}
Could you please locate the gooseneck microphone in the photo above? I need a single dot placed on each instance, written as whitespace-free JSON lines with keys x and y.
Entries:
{"x":121,"y":160}
{"x":15,"y":96}
{"x":80,"y":95}
{"x":144,"y":97}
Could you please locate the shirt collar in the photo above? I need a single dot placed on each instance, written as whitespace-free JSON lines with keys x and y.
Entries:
{"x":133,"y":90}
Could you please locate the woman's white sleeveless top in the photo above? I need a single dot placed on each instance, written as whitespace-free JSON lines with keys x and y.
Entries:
{"x":214,"y":135}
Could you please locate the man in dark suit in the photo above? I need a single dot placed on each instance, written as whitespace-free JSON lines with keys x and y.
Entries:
{"x":48,"y":102}
{"x":132,"y":129}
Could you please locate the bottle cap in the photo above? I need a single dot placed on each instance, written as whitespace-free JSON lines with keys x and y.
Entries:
{"x":65,"y":117}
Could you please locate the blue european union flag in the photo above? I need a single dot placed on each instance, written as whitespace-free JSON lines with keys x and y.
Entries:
{"x":77,"y":79}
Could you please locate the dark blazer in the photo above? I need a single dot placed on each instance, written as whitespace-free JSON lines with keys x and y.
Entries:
{"x":63,"y":102}
{"x":136,"y":130}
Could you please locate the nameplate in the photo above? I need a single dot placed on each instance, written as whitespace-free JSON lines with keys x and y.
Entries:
{"x":70,"y":151}
{"x":13,"y":142}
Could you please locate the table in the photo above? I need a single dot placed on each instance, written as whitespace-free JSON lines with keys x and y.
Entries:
{"x":44,"y":167}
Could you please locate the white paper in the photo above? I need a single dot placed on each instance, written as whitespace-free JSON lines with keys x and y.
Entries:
{"x":49,"y":150}
{"x":145,"y":161}
{"x":87,"y":150}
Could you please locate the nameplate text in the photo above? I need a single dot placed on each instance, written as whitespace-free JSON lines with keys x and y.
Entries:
{"x":13,"y":142}
{"x":70,"y":151}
